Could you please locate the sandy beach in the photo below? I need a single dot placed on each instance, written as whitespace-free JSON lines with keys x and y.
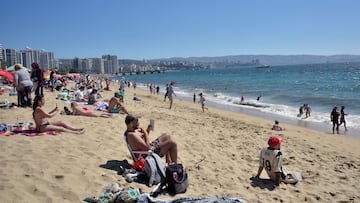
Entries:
{"x":220,"y":150}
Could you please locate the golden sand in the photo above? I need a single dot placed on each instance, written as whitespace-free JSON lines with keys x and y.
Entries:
{"x":220,"y":150}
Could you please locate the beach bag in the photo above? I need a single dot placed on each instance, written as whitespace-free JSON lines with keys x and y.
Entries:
{"x":176,"y":179}
{"x":154,"y":169}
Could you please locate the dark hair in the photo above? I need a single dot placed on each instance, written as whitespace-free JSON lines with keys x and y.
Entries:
{"x":35,"y":65}
{"x":36,"y":102}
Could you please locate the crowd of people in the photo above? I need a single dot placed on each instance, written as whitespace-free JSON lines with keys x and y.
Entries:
{"x":137,"y":137}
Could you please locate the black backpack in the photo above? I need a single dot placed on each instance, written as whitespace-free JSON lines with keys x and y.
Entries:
{"x":176,"y":179}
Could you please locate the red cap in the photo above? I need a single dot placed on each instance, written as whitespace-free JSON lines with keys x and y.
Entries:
{"x":275,"y":140}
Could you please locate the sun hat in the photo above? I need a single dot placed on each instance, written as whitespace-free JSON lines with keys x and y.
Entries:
{"x":130,"y":118}
{"x":275,"y":140}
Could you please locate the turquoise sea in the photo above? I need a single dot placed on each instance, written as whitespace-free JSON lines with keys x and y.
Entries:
{"x":282,"y":89}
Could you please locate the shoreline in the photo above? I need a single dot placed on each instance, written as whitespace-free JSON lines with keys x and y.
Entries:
{"x":317,"y":126}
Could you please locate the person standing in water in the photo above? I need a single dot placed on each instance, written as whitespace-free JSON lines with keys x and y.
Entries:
{"x":342,"y":117}
{"x":334,"y":116}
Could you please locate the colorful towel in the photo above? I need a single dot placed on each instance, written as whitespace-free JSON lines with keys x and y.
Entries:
{"x":25,"y":128}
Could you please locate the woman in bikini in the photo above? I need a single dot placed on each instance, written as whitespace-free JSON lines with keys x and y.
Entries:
{"x":83,"y":111}
{"x":43,"y":125}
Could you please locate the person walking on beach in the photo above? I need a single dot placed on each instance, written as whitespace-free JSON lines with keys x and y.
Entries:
{"x":194,"y":98}
{"x":342,"y":117}
{"x":334,"y":116}
{"x":202,"y":101}
{"x":157,"y":90}
{"x":37,"y":76}
{"x":242,"y":99}
{"x":272,"y":161}
{"x":170,"y":93}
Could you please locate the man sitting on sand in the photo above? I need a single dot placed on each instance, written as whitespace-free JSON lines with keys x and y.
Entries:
{"x":138,"y":139}
{"x":271,"y":159}
{"x":115,"y":105}
{"x":83,"y":111}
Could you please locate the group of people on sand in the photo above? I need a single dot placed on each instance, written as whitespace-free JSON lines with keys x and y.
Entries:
{"x":138,"y":139}
{"x":270,"y":159}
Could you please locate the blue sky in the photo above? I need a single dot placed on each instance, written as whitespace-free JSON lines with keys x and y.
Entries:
{"x":148,"y":29}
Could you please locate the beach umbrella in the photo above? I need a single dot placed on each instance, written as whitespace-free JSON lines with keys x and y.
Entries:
{"x":7,"y":75}
{"x":47,"y":75}
{"x":12,"y":68}
{"x":73,"y":75}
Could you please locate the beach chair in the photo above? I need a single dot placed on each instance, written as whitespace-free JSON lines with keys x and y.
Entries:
{"x":134,"y":153}
{"x":133,"y":174}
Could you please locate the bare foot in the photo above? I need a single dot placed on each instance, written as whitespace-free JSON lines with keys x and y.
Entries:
{"x":80,"y":132}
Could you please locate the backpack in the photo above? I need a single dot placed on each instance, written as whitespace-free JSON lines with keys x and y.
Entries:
{"x":176,"y":179}
{"x":175,"y":182}
{"x":154,"y":169}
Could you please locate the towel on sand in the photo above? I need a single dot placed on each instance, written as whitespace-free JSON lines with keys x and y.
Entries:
{"x":25,"y":128}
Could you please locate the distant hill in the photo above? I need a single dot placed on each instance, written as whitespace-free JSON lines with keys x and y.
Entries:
{"x":270,"y":59}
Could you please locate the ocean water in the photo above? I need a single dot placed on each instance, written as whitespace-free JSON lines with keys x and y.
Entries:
{"x":283,"y":89}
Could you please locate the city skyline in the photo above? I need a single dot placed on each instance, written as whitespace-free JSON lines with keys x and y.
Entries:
{"x":164,"y":29}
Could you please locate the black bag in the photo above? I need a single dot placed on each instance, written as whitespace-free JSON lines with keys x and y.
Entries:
{"x":176,"y":179}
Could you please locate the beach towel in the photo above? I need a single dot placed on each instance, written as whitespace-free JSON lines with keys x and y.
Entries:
{"x":115,"y":193}
{"x":102,"y":106}
{"x":25,"y":128}
{"x":145,"y":198}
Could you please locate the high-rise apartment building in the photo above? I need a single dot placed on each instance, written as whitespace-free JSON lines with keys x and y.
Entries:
{"x":27,"y":57}
{"x":10,"y":55}
{"x":2,"y":57}
{"x":110,"y":63}
{"x":97,"y":66}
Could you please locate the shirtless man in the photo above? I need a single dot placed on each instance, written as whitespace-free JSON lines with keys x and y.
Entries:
{"x":115,"y":105}
{"x":334,"y":117}
{"x":138,"y":139}
{"x":43,"y":125}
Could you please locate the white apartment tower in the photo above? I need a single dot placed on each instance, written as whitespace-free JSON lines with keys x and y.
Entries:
{"x":27,"y":57}
{"x":110,"y":63}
